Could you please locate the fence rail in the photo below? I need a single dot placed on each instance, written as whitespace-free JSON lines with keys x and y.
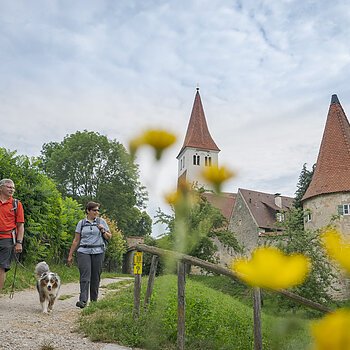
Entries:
{"x":182,"y":259}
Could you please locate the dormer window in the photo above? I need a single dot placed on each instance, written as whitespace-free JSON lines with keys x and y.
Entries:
{"x":196,"y":159}
{"x":207,"y":161}
{"x":280,"y":217}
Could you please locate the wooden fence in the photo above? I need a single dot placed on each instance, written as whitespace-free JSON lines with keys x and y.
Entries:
{"x":182,"y":260}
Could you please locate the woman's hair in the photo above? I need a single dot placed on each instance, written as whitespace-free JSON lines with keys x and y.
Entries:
{"x":91,"y":205}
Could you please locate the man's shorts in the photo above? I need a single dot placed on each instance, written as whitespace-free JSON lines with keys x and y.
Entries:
{"x":6,"y":253}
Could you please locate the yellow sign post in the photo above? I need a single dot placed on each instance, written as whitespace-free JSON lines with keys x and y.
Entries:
{"x":137,"y":263}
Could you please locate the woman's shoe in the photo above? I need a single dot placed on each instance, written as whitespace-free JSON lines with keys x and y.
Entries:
{"x":81,"y":304}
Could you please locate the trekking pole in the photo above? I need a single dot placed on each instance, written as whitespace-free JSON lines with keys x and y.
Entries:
{"x":14,"y":278}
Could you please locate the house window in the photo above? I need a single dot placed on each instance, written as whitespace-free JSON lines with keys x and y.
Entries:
{"x":280,"y":217}
{"x":196,"y":159}
{"x":207,"y":161}
{"x":307,"y":217}
{"x":344,"y":209}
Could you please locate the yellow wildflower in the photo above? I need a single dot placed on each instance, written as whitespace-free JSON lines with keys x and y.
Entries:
{"x":333,"y":331}
{"x":271,"y":268}
{"x":337,"y":248}
{"x":184,"y":194}
{"x":217,"y":176}
{"x":156,"y":138}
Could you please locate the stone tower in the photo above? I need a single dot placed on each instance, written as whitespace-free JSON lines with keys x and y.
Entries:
{"x":329,"y":191}
{"x":199,"y":149}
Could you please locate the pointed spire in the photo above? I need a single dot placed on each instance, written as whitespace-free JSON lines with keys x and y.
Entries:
{"x":198,"y":135}
{"x":332,"y":170}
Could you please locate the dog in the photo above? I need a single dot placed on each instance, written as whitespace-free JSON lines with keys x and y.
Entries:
{"x":48,"y":285}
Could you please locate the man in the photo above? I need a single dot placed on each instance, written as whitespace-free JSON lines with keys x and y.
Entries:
{"x":11,"y":227}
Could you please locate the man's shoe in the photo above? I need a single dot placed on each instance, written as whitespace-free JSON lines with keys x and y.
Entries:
{"x":81,"y":304}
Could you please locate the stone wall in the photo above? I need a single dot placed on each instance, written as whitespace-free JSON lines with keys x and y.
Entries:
{"x":243,"y":226}
{"x":322,"y":209}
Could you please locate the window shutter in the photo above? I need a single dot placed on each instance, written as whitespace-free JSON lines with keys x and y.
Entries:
{"x":340,"y":210}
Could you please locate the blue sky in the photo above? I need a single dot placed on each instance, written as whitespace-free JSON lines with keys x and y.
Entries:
{"x":266,"y":72}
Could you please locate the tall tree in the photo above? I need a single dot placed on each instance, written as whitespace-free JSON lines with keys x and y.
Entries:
{"x":88,"y":166}
{"x":305,"y":178}
{"x":50,"y":221}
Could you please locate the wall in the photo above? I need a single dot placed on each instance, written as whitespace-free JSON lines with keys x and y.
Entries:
{"x":243,"y":225}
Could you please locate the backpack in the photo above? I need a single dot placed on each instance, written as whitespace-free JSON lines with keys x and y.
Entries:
{"x":98,"y":221}
{"x":14,"y":207}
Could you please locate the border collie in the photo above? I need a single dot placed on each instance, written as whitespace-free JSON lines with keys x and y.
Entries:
{"x":48,"y":284}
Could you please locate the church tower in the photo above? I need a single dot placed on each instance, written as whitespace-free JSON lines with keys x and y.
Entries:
{"x":199,"y":149}
{"x":329,"y":191}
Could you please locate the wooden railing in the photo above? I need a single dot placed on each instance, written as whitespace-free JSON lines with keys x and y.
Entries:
{"x":184,"y":259}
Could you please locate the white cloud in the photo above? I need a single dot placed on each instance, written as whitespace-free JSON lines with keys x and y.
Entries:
{"x":266,"y":72}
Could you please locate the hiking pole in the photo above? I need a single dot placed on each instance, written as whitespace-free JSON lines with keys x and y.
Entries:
{"x":14,"y":278}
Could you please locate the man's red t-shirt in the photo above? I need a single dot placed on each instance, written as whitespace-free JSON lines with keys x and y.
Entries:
{"x":8,"y":219}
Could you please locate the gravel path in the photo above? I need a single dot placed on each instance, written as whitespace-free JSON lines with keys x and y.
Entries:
{"x":24,"y":326}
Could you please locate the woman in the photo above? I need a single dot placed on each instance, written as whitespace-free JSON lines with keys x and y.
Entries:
{"x":89,"y":241}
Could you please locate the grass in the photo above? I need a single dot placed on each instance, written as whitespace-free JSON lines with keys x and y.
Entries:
{"x":214,"y":319}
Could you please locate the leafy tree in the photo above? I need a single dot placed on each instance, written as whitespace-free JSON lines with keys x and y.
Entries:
{"x":116,"y":246}
{"x":296,"y":239}
{"x":203,"y":222}
{"x":305,"y":178}
{"x":88,"y":166}
{"x":49,"y":219}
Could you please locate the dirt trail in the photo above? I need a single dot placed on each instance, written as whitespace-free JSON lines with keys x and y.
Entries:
{"x":24,"y":326}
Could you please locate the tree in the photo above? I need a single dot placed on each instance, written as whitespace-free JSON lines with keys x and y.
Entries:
{"x":296,"y":239}
{"x":50,"y":220}
{"x":116,"y":246}
{"x":88,"y":166}
{"x":305,"y":178}
{"x":202,"y":222}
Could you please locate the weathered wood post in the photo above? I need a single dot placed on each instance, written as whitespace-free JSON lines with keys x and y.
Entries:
{"x":152,"y":274}
{"x":137,"y":283}
{"x":257,"y":319}
{"x":181,"y":275}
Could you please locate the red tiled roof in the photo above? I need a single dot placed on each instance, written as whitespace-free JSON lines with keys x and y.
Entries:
{"x":263,"y":208}
{"x":332,"y":172}
{"x":224,"y":202}
{"x":198,"y":135}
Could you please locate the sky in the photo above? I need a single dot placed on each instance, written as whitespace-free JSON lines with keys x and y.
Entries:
{"x":266,"y":72}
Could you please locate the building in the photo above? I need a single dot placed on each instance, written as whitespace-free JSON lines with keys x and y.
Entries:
{"x":199,"y":149}
{"x":329,"y":191}
{"x":250,"y":214}
{"x":328,"y":195}
{"x":257,"y":215}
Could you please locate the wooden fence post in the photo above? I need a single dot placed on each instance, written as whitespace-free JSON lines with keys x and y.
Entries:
{"x":181,"y":274}
{"x":152,"y":274}
{"x":137,"y":296}
{"x":257,"y":319}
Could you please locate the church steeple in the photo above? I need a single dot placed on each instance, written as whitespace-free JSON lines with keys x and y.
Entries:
{"x":199,"y":149}
{"x":332,"y":170}
{"x":198,"y":135}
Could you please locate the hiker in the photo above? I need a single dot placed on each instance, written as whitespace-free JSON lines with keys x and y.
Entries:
{"x":11,"y":227}
{"x":91,"y":236}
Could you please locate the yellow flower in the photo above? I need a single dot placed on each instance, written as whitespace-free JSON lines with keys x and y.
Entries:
{"x":156,"y":138}
{"x":333,"y":331}
{"x":271,"y":268}
{"x":337,"y":248}
{"x":183,"y":195}
{"x":217,"y":176}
